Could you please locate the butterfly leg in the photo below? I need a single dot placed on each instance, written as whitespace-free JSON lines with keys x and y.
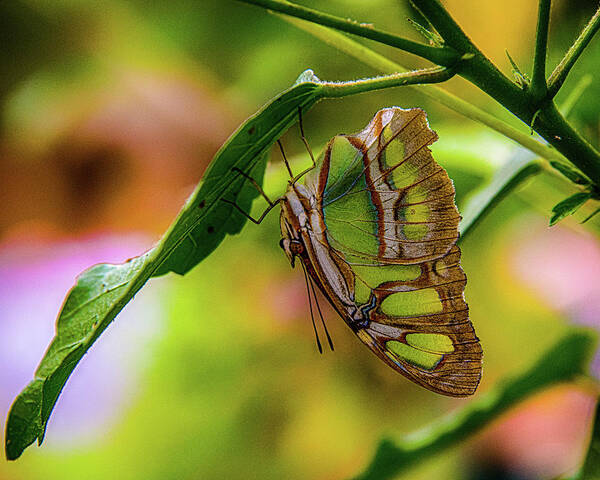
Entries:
{"x":306,"y":144}
{"x":260,"y":190}
{"x":285,"y":160}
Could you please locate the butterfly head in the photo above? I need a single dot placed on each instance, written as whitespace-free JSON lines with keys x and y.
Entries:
{"x":292,"y":248}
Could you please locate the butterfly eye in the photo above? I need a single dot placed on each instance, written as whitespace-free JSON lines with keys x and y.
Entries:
{"x":296,"y":247}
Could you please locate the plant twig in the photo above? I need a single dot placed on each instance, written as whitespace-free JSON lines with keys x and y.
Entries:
{"x":479,"y":70}
{"x":444,"y":56}
{"x":385,"y":65}
{"x":559,"y":75}
{"x":420,"y":77}
{"x":538,"y":87}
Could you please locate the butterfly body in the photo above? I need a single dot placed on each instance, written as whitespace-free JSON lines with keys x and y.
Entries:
{"x":376,"y":227}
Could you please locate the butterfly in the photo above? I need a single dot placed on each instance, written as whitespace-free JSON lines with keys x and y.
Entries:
{"x":375,"y":226}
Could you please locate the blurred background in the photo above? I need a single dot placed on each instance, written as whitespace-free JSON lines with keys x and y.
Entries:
{"x":110,"y":112}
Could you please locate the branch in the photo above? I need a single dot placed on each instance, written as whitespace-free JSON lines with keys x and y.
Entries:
{"x":480,"y":71}
{"x":444,"y":56}
{"x":538,"y":88}
{"x":385,"y":65}
{"x":415,"y":77}
{"x":559,"y":75}
{"x":445,"y":25}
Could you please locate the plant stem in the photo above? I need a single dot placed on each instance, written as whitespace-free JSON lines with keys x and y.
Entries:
{"x":558,"y":76}
{"x":538,"y":88}
{"x":551,"y":125}
{"x":385,"y":65}
{"x":480,"y":71}
{"x":570,"y":356}
{"x":444,"y":56}
{"x":429,"y":75}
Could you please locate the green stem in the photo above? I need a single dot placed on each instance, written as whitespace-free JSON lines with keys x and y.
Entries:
{"x":481,"y":72}
{"x":385,"y":65}
{"x":551,"y":125}
{"x":569,"y":358}
{"x":538,"y":88}
{"x":429,"y":75}
{"x":559,"y":75}
{"x":444,"y":56}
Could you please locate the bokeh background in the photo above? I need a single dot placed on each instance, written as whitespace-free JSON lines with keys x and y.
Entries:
{"x":109,"y":113}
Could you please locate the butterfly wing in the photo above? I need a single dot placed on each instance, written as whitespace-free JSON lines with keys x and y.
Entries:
{"x":383,"y":195}
{"x":390,"y":225}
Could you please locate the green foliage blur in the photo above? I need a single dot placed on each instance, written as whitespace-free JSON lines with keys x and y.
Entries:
{"x":110,"y":112}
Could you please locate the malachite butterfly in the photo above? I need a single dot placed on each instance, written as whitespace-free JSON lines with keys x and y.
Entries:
{"x":376,"y":227}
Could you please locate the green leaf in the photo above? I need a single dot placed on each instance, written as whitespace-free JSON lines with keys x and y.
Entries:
{"x":507,"y":178}
{"x":574,"y":175}
{"x":521,"y":78}
{"x":569,"y":358}
{"x":569,"y":206}
{"x":432,"y":37}
{"x":103,"y":291}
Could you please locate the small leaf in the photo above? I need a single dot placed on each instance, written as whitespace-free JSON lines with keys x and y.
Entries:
{"x":522,"y":78}
{"x":433,"y":38}
{"x":569,"y":172}
{"x":569,"y":206}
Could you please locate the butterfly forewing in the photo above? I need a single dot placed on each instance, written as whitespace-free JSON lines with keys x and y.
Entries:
{"x":381,"y":244}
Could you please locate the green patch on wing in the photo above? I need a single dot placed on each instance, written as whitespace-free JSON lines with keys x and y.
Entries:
{"x":351,"y":219}
{"x":414,"y":356}
{"x":412,"y":303}
{"x":430,"y":342}
{"x":405,"y":173}
{"x":369,"y":277}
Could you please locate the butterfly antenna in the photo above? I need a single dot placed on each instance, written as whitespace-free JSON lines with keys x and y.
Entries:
{"x":285,"y":160}
{"x":320,"y":314}
{"x":312,"y":317}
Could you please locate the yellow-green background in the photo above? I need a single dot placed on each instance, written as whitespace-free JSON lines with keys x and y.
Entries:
{"x":111,"y":110}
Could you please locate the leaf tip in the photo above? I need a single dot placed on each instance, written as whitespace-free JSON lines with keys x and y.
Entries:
{"x":307,"y":76}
